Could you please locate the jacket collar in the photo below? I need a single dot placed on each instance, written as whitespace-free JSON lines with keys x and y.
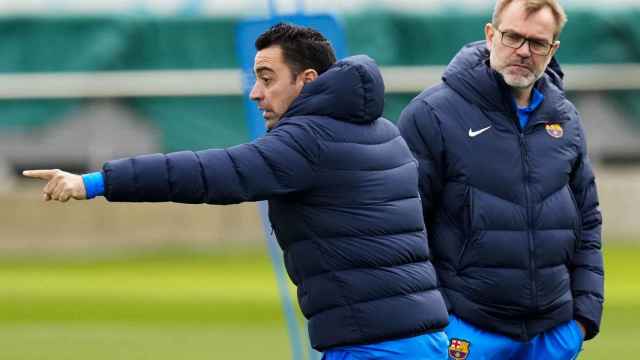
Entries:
{"x":470,"y":75}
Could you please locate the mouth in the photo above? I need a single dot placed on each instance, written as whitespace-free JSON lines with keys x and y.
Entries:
{"x":266,"y":114}
{"x":520,"y":70}
{"x":520,"y":66}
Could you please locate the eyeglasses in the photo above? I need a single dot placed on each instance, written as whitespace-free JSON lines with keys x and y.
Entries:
{"x":515,"y":41}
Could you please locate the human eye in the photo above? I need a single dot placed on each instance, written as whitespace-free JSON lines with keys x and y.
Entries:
{"x":265,"y":80}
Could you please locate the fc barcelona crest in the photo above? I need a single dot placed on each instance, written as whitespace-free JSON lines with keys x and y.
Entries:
{"x":555,"y":130}
{"x":458,"y":349}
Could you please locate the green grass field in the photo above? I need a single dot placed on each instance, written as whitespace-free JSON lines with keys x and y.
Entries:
{"x":199,"y":306}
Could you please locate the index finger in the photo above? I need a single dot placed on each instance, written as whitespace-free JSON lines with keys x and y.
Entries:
{"x":39,"y":174}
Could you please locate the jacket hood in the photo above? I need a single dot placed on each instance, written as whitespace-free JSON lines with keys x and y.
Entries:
{"x":470,"y":75}
{"x":352,"y":90}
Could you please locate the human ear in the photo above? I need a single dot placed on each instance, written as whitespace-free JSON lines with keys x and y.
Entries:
{"x":556,"y":46}
{"x":489,"y":31}
{"x":309,"y":75}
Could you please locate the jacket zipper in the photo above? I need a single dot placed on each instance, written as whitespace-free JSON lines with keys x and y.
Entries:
{"x":526,"y":174}
{"x":532,"y":260}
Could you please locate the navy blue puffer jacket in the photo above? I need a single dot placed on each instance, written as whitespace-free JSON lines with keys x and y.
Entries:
{"x":512,"y":215}
{"x":343,"y":201}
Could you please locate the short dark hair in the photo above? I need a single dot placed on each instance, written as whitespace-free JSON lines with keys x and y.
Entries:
{"x":302,"y":47}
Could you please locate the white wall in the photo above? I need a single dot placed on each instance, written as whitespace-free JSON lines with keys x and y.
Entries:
{"x":261,"y":7}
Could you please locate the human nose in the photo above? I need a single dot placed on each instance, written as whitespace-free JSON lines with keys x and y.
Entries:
{"x":524,"y":50}
{"x":256,"y":92}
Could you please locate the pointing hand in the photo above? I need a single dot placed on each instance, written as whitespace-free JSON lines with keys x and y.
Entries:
{"x":61,"y":185}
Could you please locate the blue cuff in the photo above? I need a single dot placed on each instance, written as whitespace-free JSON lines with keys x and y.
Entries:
{"x":93,"y":184}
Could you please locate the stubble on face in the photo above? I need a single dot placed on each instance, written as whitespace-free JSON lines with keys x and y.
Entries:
{"x":276,"y":87}
{"x":517,"y":72}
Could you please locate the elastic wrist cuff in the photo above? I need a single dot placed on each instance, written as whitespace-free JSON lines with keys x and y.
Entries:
{"x":93,"y":184}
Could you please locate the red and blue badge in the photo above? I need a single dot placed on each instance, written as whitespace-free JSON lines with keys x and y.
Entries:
{"x":459,"y":349}
{"x":555,"y":130}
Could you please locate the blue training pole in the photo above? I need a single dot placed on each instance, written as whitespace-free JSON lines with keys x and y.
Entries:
{"x":273,"y":11}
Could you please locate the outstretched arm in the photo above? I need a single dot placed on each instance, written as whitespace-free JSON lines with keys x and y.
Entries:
{"x":278,"y":163}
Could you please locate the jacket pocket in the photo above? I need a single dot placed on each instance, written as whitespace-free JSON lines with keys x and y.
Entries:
{"x":467,"y":223}
{"x":577,"y":229}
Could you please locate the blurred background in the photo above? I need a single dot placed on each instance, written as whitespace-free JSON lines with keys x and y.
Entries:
{"x":82,"y":82}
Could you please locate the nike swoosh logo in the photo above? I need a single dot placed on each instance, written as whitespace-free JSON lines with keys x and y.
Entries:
{"x":476,"y":133}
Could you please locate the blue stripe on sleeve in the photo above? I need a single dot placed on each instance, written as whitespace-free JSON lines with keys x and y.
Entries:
{"x":93,"y":184}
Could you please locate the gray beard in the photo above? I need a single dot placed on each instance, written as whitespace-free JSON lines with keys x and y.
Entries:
{"x":520,"y":82}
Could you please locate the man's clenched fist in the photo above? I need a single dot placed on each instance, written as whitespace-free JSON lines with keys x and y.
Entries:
{"x":61,"y":185}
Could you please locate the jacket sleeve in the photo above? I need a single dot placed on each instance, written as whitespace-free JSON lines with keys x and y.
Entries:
{"x":280,"y":162}
{"x":420,"y":129}
{"x":587,"y":273}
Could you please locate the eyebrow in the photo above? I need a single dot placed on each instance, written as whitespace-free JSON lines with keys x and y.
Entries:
{"x":261,"y":69}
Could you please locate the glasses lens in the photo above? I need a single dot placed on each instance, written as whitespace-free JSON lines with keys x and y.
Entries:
{"x":539,"y":48}
{"x":512,"y":40}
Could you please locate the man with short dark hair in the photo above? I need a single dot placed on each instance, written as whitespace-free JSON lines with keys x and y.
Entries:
{"x":509,"y":197}
{"x":342,"y":191}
